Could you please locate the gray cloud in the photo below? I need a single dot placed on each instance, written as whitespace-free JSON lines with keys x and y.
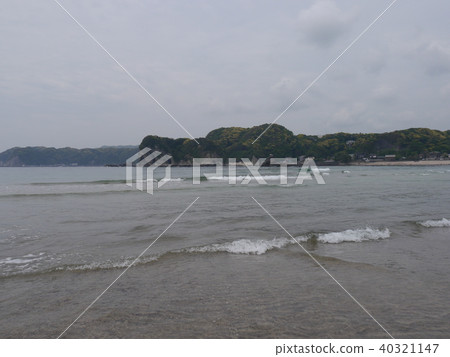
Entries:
{"x":324,"y":22}
{"x":384,"y":94}
{"x":437,"y":58}
{"x":218,"y":63}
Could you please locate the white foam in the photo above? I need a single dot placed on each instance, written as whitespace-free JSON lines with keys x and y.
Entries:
{"x":354,"y":235}
{"x":440,"y":223}
{"x":171,"y":180}
{"x":163,"y":179}
{"x":275,"y":177}
{"x":323,"y":169}
{"x":222,"y":178}
{"x":16,"y":261}
{"x":241,"y":178}
{"x":26,"y":259}
{"x":243,"y":246}
{"x":258,"y":247}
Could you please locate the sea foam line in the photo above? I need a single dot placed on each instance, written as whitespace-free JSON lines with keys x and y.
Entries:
{"x":436,"y":223}
{"x":354,"y":235}
{"x":239,"y":246}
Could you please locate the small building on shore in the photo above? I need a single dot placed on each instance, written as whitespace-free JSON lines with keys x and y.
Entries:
{"x":389,"y":157}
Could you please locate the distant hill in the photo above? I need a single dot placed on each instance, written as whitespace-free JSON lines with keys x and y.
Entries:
{"x":43,"y":156}
{"x":236,"y":142}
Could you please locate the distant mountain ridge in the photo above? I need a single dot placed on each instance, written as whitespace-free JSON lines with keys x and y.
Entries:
{"x":45,"y":156}
{"x":237,"y":142}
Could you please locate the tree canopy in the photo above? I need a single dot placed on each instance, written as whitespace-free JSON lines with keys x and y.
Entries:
{"x":236,"y":142}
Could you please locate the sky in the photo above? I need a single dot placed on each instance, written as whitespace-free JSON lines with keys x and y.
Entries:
{"x":216,"y":64}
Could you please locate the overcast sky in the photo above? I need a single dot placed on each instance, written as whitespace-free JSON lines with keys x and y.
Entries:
{"x":218,"y":63}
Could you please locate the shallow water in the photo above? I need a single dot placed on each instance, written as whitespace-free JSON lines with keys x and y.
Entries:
{"x":225,"y":269}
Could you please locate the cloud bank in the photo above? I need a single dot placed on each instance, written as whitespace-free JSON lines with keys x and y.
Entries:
{"x":217,"y":63}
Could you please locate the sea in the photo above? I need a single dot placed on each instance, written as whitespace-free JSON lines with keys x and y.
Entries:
{"x":365,"y":255}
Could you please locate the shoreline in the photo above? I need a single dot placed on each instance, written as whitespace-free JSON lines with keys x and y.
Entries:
{"x":320,"y":164}
{"x":403,"y":163}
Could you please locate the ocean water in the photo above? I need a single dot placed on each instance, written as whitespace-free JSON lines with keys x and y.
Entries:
{"x":225,"y":269}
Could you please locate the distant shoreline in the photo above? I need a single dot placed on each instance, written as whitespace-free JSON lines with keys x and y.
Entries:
{"x":403,"y":163}
{"x":319,"y":164}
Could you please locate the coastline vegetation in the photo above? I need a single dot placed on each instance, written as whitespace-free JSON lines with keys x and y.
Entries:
{"x":235,"y":142}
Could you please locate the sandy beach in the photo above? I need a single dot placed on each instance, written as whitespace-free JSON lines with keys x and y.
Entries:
{"x":403,"y":163}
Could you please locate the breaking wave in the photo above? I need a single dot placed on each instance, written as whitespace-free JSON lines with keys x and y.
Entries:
{"x":242,"y":246}
{"x":25,"y":265}
{"x":354,"y":235}
{"x":438,"y":223}
{"x":241,"y":178}
{"x":179,"y":179}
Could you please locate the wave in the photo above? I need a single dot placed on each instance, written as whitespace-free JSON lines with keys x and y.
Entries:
{"x":54,"y":194}
{"x":437,"y":223}
{"x":354,"y":235}
{"x":26,"y":259}
{"x":24,"y":265}
{"x":240,"y":178}
{"x":71,"y":183}
{"x":171,"y":179}
{"x":106,"y":265}
{"x":159,"y":180}
{"x":98,"y":182}
{"x":242,"y":246}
